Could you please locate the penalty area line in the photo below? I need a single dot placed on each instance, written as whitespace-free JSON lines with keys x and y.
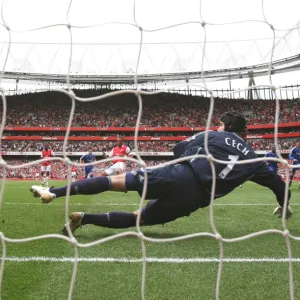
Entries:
{"x":149,"y":260}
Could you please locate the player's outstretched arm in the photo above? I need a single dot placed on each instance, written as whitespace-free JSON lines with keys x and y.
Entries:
{"x":265,"y":177}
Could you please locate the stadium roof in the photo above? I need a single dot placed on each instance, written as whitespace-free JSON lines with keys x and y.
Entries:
{"x":175,"y":39}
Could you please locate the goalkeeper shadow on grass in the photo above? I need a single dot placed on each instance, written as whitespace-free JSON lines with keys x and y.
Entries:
{"x":181,"y":188}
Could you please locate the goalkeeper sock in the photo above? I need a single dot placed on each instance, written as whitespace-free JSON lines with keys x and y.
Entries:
{"x":110,"y":220}
{"x":88,"y":186}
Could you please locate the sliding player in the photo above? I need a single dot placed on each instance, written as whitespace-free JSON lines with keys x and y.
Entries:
{"x":179,"y":189}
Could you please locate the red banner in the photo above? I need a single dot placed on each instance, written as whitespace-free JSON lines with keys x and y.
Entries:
{"x":123,"y":129}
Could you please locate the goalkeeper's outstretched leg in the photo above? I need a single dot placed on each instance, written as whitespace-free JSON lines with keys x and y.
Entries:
{"x":160,"y":211}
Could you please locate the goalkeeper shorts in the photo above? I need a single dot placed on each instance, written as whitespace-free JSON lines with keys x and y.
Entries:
{"x":174,"y":190}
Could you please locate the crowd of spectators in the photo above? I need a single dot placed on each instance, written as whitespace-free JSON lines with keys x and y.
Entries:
{"x":143,"y":146}
{"x":267,"y":144}
{"x":52,"y":109}
{"x":142,"y":133}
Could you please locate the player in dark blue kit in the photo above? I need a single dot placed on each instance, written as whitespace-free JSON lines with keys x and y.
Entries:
{"x":294,"y":156}
{"x":88,"y":158}
{"x":180,"y":189}
{"x":273,"y":165}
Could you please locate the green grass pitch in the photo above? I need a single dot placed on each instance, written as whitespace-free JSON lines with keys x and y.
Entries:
{"x":245,"y":211}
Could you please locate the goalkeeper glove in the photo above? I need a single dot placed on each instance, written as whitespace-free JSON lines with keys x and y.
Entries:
{"x":279,"y":211}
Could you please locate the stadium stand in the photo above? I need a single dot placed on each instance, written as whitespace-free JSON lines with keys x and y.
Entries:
{"x":33,"y":120}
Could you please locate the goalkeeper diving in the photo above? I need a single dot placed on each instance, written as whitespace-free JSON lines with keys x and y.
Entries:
{"x":179,"y":189}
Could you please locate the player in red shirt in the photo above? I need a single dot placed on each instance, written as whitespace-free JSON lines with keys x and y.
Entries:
{"x":46,"y":165}
{"x":119,"y":165}
{"x":74,"y":173}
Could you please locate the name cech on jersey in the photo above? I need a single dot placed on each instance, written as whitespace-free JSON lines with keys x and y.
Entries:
{"x":235,"y":144}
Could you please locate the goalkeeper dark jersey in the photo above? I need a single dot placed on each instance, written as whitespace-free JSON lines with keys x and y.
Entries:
{"x":231,"y":148}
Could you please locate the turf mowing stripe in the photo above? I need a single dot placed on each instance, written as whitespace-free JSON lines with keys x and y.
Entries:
{"x":149,"y":259}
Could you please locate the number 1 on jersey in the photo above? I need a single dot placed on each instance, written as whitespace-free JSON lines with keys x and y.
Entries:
{"x":229,"y":167}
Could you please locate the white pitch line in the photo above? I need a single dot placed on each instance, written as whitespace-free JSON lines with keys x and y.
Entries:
{"x":137,"y":204}
{"x":149,"y":259}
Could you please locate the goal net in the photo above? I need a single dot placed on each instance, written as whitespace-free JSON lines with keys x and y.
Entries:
{"x":229,"y":49}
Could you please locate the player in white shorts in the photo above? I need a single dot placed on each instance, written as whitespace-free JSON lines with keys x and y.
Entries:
{"x":74,"y":173}
{"x":119,"y":165}
{"x":46,"y":168}
{"x":115,"y":169}
{"x":46,"y":165}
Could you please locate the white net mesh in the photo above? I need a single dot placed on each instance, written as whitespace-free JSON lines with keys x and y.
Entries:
{"x":143,"y":57}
